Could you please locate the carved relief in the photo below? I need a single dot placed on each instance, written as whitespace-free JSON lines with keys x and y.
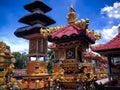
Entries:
{"x":2,"y":47}
{"x":70,"y":53}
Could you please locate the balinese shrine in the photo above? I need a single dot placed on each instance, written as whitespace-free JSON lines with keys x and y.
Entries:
{"x":36,"y":19}
{"x":71,"y":47}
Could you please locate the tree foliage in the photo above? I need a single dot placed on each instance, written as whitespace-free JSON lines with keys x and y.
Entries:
{"x":50,"y":67}
{"x":50,"y":61}
{"x":21,"y":60}
{"x":51,"y":54}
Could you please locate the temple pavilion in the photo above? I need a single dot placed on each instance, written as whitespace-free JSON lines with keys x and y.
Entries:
{"x":112,"y":50}
{"x":37,"y":75}
{"x":70,"y":44}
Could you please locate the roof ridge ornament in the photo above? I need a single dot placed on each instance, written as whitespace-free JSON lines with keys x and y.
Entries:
{"x":72,"y":8}
{"x":72,"y":20}
{"x":71,"y":15}
{"x":47,"y":31}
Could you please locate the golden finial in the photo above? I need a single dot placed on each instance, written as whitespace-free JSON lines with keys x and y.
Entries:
{"x":72,"y":8}
{"x":71,"y":15}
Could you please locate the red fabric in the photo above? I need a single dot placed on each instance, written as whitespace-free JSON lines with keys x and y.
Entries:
{"x":112,"y":44}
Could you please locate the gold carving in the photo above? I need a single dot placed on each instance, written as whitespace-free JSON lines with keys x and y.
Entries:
{"x":46,"y":32}
{"x":4,"y":52}
{"x":72,"y":19}
{"x":71,"y":15}
{"x":2,"y":48}
{"x":95,"y":34}
{"x":82,"y":23}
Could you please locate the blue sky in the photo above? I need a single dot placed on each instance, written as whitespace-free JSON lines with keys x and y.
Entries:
{"x":104,"y":17}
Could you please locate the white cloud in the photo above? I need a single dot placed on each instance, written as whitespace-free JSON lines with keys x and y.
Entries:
{"x":7,"y":36}
{"x":112,"y":11}
{"x":108,"y":34}
{"x":19,"y":45}
{"x":16,"y":44}
{"x":7,"y":33}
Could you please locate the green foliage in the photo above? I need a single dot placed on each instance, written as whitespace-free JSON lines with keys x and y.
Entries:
{"x":51,"y":54}
{"x":50,"y":67}
{"x":21,"y":60}
{"x":50,"y":62}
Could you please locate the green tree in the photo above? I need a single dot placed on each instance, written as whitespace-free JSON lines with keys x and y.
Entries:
{"x":51,"y":54}
{"x":21,"y":60}
{"x":50,"y":67}
{"x":50,"y":61}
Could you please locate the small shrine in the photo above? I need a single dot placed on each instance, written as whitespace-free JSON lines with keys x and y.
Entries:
{"x":100,"y":64}
{"x":112,"y":50}
{"x":6,"y":67}
{"x":37,"y":76}
{"x":72,"y":71}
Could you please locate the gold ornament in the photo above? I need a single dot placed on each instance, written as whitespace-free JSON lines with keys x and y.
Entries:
{"x":71,"y":15}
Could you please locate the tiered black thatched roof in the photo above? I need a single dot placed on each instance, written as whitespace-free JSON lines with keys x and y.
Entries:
{"x":36,"y":19}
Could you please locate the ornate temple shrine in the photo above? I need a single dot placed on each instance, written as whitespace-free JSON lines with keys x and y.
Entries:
{"x":36,"y":19}
{"x":70,"y":44}
{"x":112,"y":51}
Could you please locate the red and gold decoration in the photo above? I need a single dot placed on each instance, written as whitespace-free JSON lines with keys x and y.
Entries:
{"x":6,"y":67}
{"x":72,"y":20}
{"x":69,"y":42}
